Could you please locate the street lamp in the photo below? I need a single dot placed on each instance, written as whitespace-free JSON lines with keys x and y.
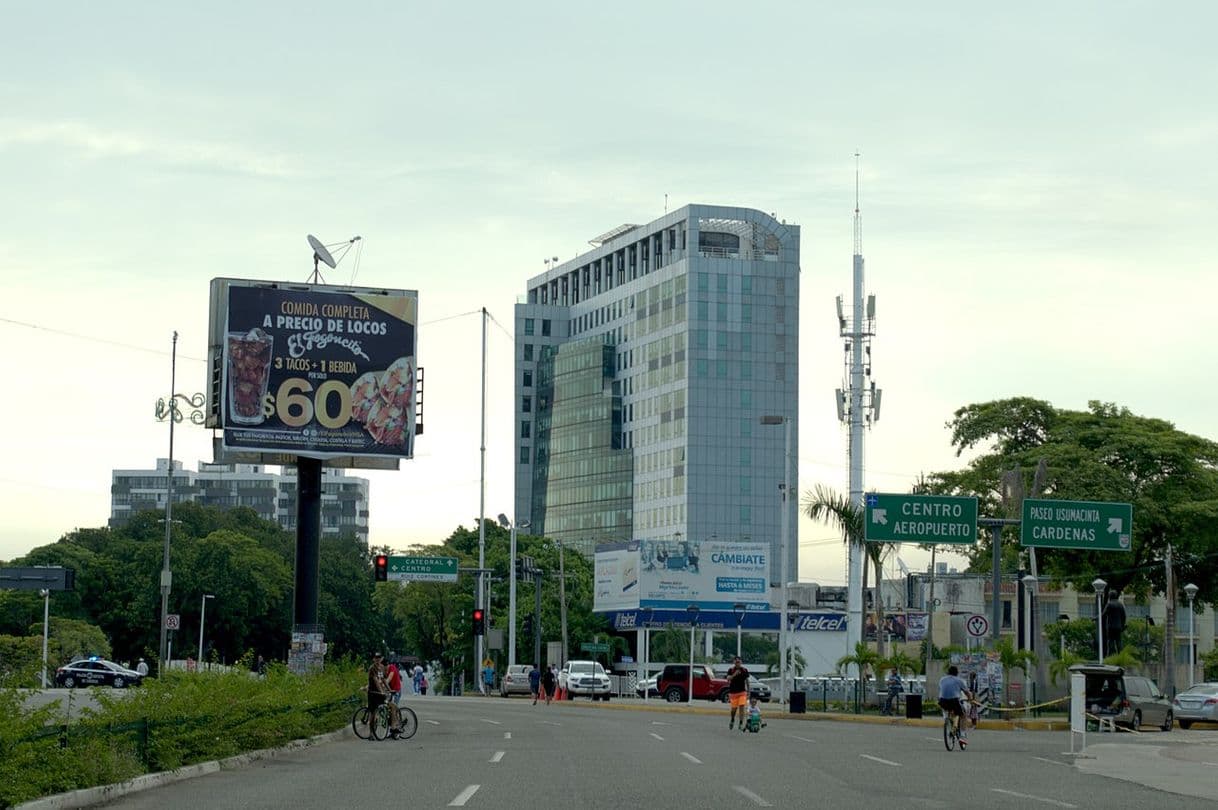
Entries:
{"x":1190,"y":590}
{"x":792,"y":616}
{"x":785,"y":487}
{"x":646,"y":654}
{"x":1029,"y":584}
{"x":45,"y":593}
{"x":692,"y":610}
{"x":739,"y":610}
{"x":202,"y":616}
{"x":507,"y":524}
{"x":1100,"y":586}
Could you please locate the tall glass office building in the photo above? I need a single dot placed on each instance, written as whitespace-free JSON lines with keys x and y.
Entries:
{"x":646,"y":369}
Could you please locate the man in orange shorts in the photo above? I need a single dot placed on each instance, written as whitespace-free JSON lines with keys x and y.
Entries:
{"x":738,"y":692}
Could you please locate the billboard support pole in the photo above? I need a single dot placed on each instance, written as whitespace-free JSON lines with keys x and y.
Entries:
{"x":308,"y":546}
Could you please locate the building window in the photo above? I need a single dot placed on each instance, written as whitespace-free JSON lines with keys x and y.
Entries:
{"x":545,"y":327}
{"x":746,"y":313}
{"x":746,"y":456}
{"x":721,"y":369}
{"x":746,"y":514}
{"x":703,"y":282}
{"x":701,"y":367}
{"x":703,"y":310}
{"x":746,"y":427}
{"x":524,"y":454}
{"x":528,"y":326}
{"x":526,"y":404}
{"x":746,"y":341}
{"x":528,"y":379}
{"x":746,"y":485}
{"x":721,"y":311}
{"x":746,"y":370}
{"x":700,"y":338}
{"x":720,"y":340}
{"x":746,"y":284}
{"x":528,"y":351}
{"x":525,"y":430}
{"x":746,"y":398}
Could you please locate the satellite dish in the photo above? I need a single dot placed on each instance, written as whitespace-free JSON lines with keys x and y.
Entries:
{"x":320,"y":252}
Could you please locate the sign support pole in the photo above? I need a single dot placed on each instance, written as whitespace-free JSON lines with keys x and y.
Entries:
{"x":996,"y":581}
{"x":308,"y":555}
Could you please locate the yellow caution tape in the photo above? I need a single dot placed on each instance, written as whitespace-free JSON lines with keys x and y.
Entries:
{"x":1029,"y":708}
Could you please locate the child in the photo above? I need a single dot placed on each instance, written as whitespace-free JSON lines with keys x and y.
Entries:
{"x":754,"y":723}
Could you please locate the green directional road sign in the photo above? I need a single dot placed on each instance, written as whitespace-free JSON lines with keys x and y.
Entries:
{"x":890,"y":518}
{"x":422,"y":569}
{"x":588,"y":646}
{"x":1093,"y":525}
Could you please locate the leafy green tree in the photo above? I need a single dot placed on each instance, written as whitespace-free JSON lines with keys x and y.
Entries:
{"x":1012,"y":658}
{"x":1059,"y":668}
{"x":70,"y":640}
{"x":796,"y":663}
{"x":866,"y":659}
{"x":20,"y":661}
{"x":901,"y":661}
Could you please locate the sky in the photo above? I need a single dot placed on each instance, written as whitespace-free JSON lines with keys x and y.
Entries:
{"x":1037,"y":190}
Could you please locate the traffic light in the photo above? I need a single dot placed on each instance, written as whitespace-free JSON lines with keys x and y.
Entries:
{"x":381,"y":566}
{"x":479,"y":616}
{"x":528,"y":625}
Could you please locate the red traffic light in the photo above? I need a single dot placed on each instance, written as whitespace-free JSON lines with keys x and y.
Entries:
{"x":381,"y":566}
{"x":479,"y":617}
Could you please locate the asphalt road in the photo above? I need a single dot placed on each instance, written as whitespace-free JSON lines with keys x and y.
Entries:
{"x":472,"y":752}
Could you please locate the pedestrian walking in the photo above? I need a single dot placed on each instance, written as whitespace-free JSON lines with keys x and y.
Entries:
{"x":534,"y":682}
{"x":488,"y":678}
{"x":417,"y":679}
{"x":738,"y":692}
{"x":548,"y":682}
{"x":894,"y":691}
{"x":142,"y":667}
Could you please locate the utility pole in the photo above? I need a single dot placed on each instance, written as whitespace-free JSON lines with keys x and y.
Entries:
{"x":166,"y":576}
{"x":562,"y":599}
{"x":480,"y":596}
{"x":1169,"y":632}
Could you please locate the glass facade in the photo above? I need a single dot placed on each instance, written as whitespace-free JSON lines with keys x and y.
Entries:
{"x":582,"y":475}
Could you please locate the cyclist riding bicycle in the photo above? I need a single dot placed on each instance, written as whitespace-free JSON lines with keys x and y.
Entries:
{"x":951,"y":689}
{"x":378,"y":694}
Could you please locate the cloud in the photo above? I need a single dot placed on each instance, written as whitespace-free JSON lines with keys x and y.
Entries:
{"x":104,"y":144}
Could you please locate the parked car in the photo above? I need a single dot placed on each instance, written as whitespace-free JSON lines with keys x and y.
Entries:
{"x":515,"y":681}
{"x":756,"y":687}
{"x":1130,"y":700}
{"x":96,"y":672}
{"x":1198,"y":703}
{"x":647,"y":685}
{"x":673,"y":684}
{"x":584,"y":678}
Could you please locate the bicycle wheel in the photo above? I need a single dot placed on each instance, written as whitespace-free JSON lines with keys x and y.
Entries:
{"x":382,"y":722}
{"x":359,"y":723}
{"x":949,"y":732}
{"x":408,"y":722}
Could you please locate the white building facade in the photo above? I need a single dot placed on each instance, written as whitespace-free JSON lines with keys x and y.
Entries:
{"x":643,"y":370}
{"x":344,"y":499}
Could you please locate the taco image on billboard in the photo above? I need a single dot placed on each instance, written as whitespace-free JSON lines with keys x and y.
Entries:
{"x":397,"y":383}
{"x":387,"y":424}
{"x":365,"y":392}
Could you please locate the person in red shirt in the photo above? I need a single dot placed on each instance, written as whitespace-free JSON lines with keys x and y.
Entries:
{"x":393,"y":678}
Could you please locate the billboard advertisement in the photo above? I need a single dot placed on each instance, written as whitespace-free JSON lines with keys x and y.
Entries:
{"x":713,"y":574}
{"x":313,"y":370}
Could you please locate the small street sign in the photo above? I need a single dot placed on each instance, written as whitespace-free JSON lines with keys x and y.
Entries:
{"x":1092,"y":525}
{"x":173,"y":621}
{"x":422,"y":569}
{"x":892,"y":518}
{"x":977,"y":625}
{"x":591,"y":647}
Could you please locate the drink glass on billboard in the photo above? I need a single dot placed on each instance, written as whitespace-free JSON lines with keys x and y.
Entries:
{"x":249,"y":372}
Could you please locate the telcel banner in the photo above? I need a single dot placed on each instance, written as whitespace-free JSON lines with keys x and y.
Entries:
{"x":315,"y":370}
{"x":712,"y":574}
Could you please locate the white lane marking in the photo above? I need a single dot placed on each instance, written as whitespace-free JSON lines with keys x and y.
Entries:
{"x":751,"y":796}
{"x":463,"y":796}
{"x":801,"y":739}
{"x":691,"y":758}
{"x":498,"y":756}
{"x":434,"y":722}
{"x":1053,"y":762}
{"x":492,"y":722}
{"x":507,"y":735}
{"x":933,"y":739}
{"x":657,"y":736}
{"x":550,"y":723}
{"x":658,"y":723}
{"x":881,"y":761}
{"x":1053,"y":802}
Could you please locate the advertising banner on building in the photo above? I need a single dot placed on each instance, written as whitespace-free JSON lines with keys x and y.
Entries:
{"x":314,"y":370}
{"x":916,"y":625}
{"x":712,"y":574}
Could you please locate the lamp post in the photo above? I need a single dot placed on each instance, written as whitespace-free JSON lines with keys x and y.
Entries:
{"x":739,"y":609}
{"x":692,"y":610}
{"x":1190,"y":590}
{"x":45,"y":593}
{"x":1100,"y":586}
{"x":785,"y":487}
{"x":513,"y":525}
{"x":1029,"y":583}
{"x":202,"y":616}
{"x":646,"y":654}
{"x":792,"y":615}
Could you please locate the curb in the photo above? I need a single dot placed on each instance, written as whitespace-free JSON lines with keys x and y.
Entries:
{"x":87,"y":797}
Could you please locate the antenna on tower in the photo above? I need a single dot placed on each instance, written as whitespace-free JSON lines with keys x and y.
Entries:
{"x":858,"y":217}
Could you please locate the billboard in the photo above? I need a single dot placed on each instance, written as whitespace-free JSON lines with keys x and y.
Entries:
{"x":712,"y":574}
{"x":313,"y":370}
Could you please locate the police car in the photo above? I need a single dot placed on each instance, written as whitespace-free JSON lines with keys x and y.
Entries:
{"x":96,"y":671}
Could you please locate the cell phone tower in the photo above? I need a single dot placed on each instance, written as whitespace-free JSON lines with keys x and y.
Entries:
{"x":858,"y":405}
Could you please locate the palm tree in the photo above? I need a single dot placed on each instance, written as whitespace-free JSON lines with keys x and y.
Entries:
{"x":1126,"y":659}
{"x":832,"y":507}
{"x":796,"y":662}
{"x":1060,"y":667}
{"x":1012,"y":658}
{"x":865,"y":658}
{"x":901,"y":662}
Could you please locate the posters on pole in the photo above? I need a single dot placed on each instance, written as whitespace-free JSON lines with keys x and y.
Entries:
{"x":712,"y":574}
{"x":314,"y":370}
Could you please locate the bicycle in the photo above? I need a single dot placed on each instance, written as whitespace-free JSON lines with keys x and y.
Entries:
{"x":951,"y":726}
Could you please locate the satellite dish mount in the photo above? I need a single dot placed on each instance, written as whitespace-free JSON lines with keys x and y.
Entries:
{"x":322,"y":254}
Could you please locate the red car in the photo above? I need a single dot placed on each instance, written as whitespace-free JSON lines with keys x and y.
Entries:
{"x":673,"y":684}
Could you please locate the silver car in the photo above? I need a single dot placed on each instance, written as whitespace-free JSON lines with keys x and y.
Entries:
{"x":516,"y":681}
{"x":1198,"y":704}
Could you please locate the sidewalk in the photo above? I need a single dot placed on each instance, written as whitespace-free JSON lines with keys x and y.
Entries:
{"x":1181,"y":762}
